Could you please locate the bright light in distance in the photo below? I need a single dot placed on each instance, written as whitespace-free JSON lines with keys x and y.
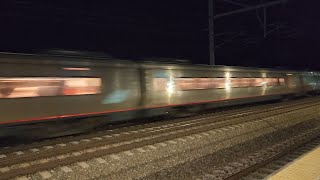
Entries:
{"x":289,"y":74}
{"x":76,"y":69}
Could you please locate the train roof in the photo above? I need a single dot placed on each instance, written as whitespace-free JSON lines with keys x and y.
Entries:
{"x":109,"y":61}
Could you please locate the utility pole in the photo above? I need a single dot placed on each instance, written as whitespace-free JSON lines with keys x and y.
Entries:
{"x":264,"y":22}
{"x":245,"y":8}
{"x":250,"y":8}
{"x":211,"y":32}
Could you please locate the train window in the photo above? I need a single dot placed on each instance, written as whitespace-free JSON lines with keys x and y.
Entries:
{"x":199,"y":83}
{"x":182,"y":84}
{"x":19,"y":87}
{"x":256,"y":82}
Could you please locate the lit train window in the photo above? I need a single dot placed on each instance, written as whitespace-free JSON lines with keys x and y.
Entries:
{"x":19,"y":87}
{"x":199,"y":83}
{"x":182,"y":84}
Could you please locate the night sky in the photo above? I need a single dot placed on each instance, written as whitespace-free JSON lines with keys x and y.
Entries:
{"x":169,"y":29}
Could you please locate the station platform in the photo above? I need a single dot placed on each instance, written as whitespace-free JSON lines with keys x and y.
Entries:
{"x":306,"y":167}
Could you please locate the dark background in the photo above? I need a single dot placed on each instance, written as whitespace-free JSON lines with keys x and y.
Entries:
{"x":170,"y":29}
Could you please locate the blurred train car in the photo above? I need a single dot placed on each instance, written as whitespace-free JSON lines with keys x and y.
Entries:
{"x":36,"y":89}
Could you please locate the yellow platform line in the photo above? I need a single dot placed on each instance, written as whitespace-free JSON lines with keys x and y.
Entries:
{"x":307,"y":167}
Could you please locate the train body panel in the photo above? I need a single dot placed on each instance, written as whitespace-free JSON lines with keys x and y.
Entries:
{"x":38,"y":88}
{"x":179,"y":86}
{"x":119,"y":89}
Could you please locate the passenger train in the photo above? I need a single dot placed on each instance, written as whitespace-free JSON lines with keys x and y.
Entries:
{"x":50,"y":88}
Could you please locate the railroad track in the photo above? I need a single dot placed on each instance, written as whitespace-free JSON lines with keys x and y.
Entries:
{"x":277,"y":164}
{"x":18,"y":162}
{"x":252,"y":163}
